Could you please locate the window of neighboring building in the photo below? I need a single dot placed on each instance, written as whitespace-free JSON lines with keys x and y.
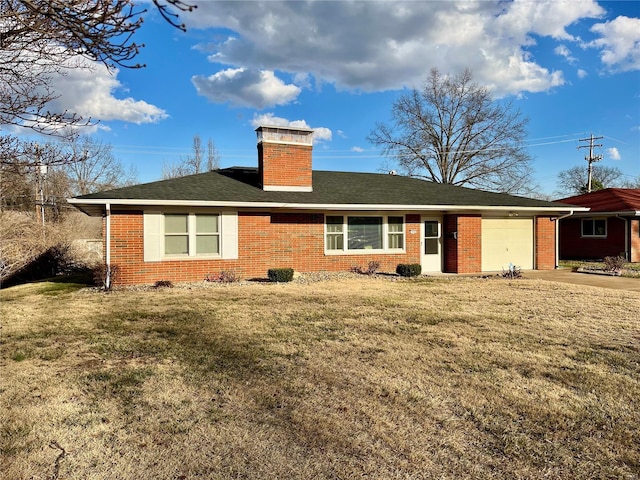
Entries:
{"x":365,"y":232}
{"x":594,"y":227}
{"x":190,"y":234}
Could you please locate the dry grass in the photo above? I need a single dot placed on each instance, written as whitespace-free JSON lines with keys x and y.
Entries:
{"x":351,"y":378}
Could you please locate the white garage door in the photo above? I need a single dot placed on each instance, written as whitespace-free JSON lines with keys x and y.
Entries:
{"x":505,"y":241}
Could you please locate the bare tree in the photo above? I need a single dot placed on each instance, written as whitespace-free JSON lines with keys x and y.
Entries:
{"x":98,"y":170}
{"x":453,"y":131}
{"x":632,"y":183}
{"x":41,"y":38}
{"x":14,"y":151}
{"x":16,"y":187}
{"x":573,"y":181}
{"x":193,"y":163}
{"x":213,"y":157}
{"x":174,"y":170}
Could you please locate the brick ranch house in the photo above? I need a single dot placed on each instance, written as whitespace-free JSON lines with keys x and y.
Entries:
{"x":283,"y":214}
{"x":610,"y":228}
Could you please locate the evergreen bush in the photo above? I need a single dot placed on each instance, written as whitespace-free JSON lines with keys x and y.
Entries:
{"x":280,"y":274}
{"x":409,"y":269}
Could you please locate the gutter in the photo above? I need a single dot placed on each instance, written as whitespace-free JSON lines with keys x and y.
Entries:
{"x":80,"y":203}
{"x":557,"y":220}
{"x":107,"y":278}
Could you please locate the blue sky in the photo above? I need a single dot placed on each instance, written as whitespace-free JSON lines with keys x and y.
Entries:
{"x":572,"y":67}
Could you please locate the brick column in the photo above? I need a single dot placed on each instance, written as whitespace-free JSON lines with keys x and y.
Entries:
{"x":545,"y":243}
{"x":463,"y":254}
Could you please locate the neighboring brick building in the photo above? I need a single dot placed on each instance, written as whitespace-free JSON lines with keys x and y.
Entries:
{"x":283,"y":214}
{"x":610,"y":228}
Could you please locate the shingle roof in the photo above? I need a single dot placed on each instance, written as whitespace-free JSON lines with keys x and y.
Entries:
{"x":241,"y":185}
{"x":608,"y":200}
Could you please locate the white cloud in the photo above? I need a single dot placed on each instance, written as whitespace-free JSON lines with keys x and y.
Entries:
{"x":357,"y":149}
{"x":619,"y":43}
{"x":242,"y":87}
{"x":564,"y":51}
{"x":582,"y":73}
{"x":91,"y":91}
{"x":613,"y":153}
{"x":319,"y":133}
{"x":374,"y":46}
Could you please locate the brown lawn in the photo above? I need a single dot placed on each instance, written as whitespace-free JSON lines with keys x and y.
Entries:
{"x":345,"y":378}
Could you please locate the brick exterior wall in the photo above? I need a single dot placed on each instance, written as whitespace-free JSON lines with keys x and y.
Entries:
{"x":545,"y":243}
{"x":284,"y":165}
{"x":464,"y":253}
{"x":634,"y":232}
{"x":266,"y":240}
{"x":574,"y":247}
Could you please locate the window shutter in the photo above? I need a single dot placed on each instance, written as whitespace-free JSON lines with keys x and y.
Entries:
{"x":229,"y":235}
{"x":153,"y":236}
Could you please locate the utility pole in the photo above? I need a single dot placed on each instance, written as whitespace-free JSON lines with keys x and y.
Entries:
{"x":591,"y":158}
{"x":41,"y":174}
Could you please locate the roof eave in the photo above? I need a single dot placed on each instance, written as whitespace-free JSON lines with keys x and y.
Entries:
{"x":90,"y":204}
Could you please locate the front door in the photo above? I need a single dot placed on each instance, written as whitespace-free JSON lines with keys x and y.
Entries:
{"x":431,"y":244}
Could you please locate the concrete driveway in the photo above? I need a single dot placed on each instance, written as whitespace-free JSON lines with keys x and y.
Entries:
{"x":593,"y":280}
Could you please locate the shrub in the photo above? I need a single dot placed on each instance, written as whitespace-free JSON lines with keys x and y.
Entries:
{"x":513,"y":272}
{"x":226,"y":276}
{"x":371,"y":269}
{"x":409,"y":269}
{"x":280,"y":274}
{"x":614,"y":264}
{"x":104,"y":276}
{"x":163,"y":284}
{"x":30,"y":251}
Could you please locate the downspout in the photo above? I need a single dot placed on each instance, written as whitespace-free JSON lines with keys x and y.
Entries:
{"x":557,"y":220}
{"x":627,"y":253}
{"x":107,"y":278}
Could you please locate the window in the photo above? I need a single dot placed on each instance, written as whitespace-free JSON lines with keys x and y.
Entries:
{"x":207,"y":235}
{"x":396,"y":232}
{"x":364,"y":233}
{"x":189,"y":234}
{"x":176,"y":235}
{"x":335,"y":234}
{"x":594,"y":227}
{"x":431,"y":237}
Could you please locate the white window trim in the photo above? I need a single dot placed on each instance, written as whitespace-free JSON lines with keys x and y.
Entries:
{"x":606,"y":228}
{"x":154,"y":235}
{"x":385,"y":234}
{"x":192,"y":236}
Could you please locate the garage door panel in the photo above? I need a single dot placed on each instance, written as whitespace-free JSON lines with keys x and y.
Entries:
{"x":505,"y":241}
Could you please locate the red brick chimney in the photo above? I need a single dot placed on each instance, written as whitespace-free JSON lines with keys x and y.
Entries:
{"x":284,"y":158}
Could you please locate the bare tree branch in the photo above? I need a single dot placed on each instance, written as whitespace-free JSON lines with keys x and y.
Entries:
{"x":40,"y":39}
{"x":573,"y":181}
{"x":452,"y":131}
{"x":193,"y":164}
{"x":98,"y":170}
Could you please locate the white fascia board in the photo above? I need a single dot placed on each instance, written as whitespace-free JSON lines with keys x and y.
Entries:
{"x":625,"y":213}
{"x":318,"y":206}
